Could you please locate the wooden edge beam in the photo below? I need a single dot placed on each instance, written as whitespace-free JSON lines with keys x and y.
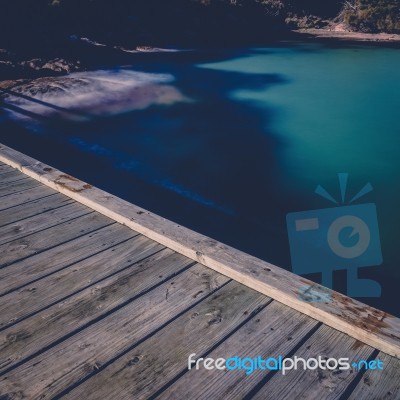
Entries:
{"x":367,"y":324}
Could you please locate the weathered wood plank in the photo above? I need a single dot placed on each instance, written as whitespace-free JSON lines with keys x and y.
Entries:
{"x":50,"y":261}
{"x":72,"y":314}
{"x":55,"y":287}
{"x":273,"y":332}
{"x":17,"y":187}
{"x":11,"y":176}
{"x":318,"y":384}
{"x":380,"y":384}
{"x":37,"y":242}
{"x":18,"y":213}
{"x":50,"y":373}
{"x":26,"y":196}
{"x":197,"y":332}
{"x":372,"y":326}
{"x":52,"y":217}
{"x":5,"y":168}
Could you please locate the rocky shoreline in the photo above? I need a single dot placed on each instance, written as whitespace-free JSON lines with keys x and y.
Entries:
{"x":349,"y":36}
{"x":84,"y":54}
{"x":81,"y":54}
{"x":12,"y":66}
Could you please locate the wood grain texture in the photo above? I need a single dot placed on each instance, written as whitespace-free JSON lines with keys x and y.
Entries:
{"x":46,"y":327}
{"x":137,"y":374}
{"x":39,"y":206}
{"x":50,"y":261}
{"x":17,"y":187}
{"x":273,"y":332}
{"x":79,"y":356}
{"x":54,"y":287}
{"x":10,"y":177}
{"x":317,"y":384}
{"x":38,"y":242}
{"x":5,"y":168}
{"x":380,"y":384}
{"x":26,"y":196}
{"x":65,"y":212}
{"x":369,"y":325}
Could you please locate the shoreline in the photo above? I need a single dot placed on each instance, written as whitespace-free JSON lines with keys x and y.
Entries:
{"x":349,"y":36}
{"x":17,"y":68}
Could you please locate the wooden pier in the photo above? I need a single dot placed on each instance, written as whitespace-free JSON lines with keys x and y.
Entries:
{"x":100,"y":299}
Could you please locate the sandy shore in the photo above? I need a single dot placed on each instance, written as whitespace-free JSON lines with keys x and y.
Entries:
{"x":350,"y":36}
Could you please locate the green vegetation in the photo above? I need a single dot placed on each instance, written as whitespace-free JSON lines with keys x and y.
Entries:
{"x":373,"y":15}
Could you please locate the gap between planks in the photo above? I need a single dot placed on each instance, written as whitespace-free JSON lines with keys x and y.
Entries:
{"x":367,"y":324}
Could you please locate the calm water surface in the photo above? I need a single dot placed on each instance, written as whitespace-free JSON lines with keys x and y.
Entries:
{"x":227,"y":143}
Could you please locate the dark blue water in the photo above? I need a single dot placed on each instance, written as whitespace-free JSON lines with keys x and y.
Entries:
{"x":228,"y":143}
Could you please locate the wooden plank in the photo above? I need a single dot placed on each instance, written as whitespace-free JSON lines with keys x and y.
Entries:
{"x":26,"y":196}
{"x":50,"y":261}
{"x":11,"y":176}
{"x":18,"y":213}
{"x":373,"y":327}
{"x":55,"y":287}
{"x":77,"y":357}
{"x":380,"y":384}
{"x":196,"y":333}
{"x":273,"y":332}
{"x":38,"y":242}
{"x":55,"y":216}
{"x":17,"y":187}
{"x":318,"y":383}
{"x":50,"y":325}
{"x":5,"y":168}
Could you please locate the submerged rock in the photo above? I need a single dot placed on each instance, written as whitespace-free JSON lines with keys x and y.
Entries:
{"x":86,"y":95}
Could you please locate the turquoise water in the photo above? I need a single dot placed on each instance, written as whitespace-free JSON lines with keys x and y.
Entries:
{"x":337,"y":110}
{"x":228,"y":143}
